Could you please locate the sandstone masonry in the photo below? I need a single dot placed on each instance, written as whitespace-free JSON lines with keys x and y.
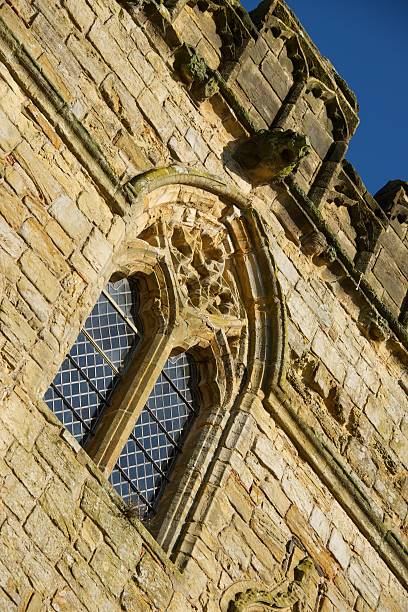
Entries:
{"x":292,"y":491}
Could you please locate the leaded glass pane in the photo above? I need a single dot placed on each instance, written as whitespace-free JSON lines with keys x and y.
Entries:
{"x":124,"y":296}
{"x":93,"y":365}
{"x":110,"y":331}
{"x":177,"y":368}
{"x":169,"y":407}
{"x":148,"y":456}
{"x":89,"y":373}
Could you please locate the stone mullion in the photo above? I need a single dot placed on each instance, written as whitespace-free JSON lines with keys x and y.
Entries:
{"x":119,"y":418}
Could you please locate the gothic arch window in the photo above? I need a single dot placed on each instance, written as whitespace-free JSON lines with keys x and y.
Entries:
{"x":85,"y":384}
{"x":210,"y":315}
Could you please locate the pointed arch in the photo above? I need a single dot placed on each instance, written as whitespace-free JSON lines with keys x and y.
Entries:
{"x":261,"y":293}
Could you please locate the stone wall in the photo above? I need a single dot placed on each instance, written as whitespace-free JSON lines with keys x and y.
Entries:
{"x":90,"y":96}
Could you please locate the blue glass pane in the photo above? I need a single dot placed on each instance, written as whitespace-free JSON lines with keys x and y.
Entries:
{"x":110,"y":331}
{"x":73,"y":400}
{"x":86,"y":379}
{"x":148,"y":456}
{"x":93,"y":365}
{"x":124,"y":295}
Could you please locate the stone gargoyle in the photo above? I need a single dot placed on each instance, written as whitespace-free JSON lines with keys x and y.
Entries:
{"x":271,"y":155}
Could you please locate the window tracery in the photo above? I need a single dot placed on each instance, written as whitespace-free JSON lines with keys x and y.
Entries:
{"x":206,"y":288}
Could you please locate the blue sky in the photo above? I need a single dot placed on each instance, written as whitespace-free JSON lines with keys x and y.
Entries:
{"x":367,"y":42}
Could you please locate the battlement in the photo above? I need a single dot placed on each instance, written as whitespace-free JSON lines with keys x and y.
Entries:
{"x":264,"y":68}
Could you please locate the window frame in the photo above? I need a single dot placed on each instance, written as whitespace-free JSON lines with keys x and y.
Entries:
{"x":128,"y":398}
{"x":264,"y":328}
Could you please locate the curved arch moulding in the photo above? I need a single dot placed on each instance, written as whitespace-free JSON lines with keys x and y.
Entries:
{"x":223,"y":290}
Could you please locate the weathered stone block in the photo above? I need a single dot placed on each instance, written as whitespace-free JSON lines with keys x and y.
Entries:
{"x":258,"y":90}
{"x":239,"y":498}
{"x":70,"y":217}
{"x":39,"y":240}
{"x":10,"y":241}
{"x":320,"y":523}
{"x":110,"y":569}
{"x":323,"y":348}
{"x":132,"y":599}
{"x":377,"y":414}
{"x":62,"y":507}
{"x":155,"y":114}
{"x":13,"y":210}
{"x":297,"y":493}
{"x":40,"y":276}
{"x":17,"y":418}
{"x":272,"y":533}
{"x":399,"y":444}
{"x":9,"y":134}
{"x":97,"y":250}
{"x":83,"y":267}
{"x":16,"y":326}
{"x":356,"y":387}
{"x":153,"y":580}
{"x":298,"y":524}
{"x":89,"y":589}
{"x":60,"y":458}
{"x":44,"y":533}
{"x":318,"y":136}
{"x":16,"y":497}
{"x":80,"y":13}
{"x":267,"y":454}
{"x":361,"y":461}
{"x":115,"y":58}
{"x":34,"y":298}
{"x":386,"y":271}
{"x":364,"y":581}
{"x":275,"y":74}
{"x":128,"y":548}
{"x":65,"y":600}
{"x":302,"y":315}
{"x":339,"y":548}
{"x":179,"y":604}
{"x":27,"y":470}
{"x":197,"y":143}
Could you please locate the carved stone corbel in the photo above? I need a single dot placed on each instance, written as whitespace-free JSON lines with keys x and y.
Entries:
{"x":271,"y":154}
{"x":233,"y":26}
{"x":374,"y":326}
{"x":393,"y":199}
{"x":314,"y":244}
{"x":288,"y":596}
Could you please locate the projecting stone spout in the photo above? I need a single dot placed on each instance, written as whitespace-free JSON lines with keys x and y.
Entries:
{"x":271,"y":154}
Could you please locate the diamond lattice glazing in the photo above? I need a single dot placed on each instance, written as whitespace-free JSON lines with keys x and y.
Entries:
{"x":148,"y":456}
{"x":89,"y":373}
